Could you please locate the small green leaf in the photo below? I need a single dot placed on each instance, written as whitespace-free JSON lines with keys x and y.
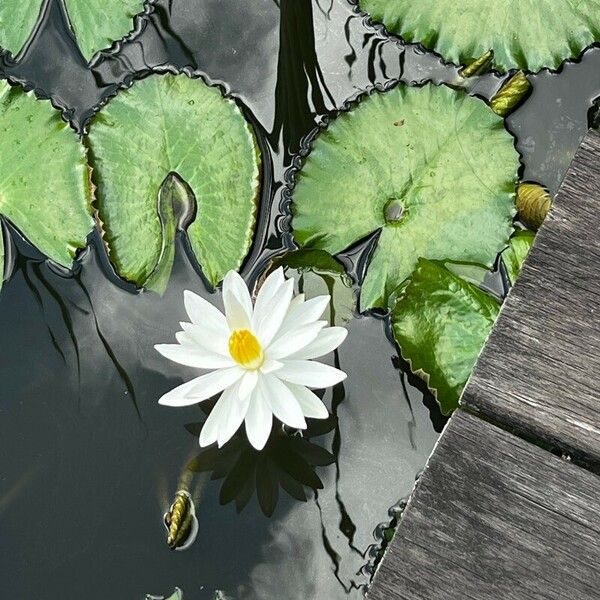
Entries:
{"x":441,"y":185}
{"x":514,"y":256}
{"x":441,"y":324}
{"x":166,"y":125}
{"x":523,"y":34}
{"x":96,"y":23}
{"x":44,"y":176}
{"x":318,"y":273}
{"x":177,"y":595}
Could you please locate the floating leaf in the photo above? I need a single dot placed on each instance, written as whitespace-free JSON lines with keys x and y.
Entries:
{"x":441,"y":186}
{"x":162,"y":126}
{"x":441,"y":323}
{"x":318,"y":273}
{"x":533,"y":203}
{"x":523,"y":34}
{"x":96,"y":24}
{"x":44,"y":182}
{"x":514,"y":256}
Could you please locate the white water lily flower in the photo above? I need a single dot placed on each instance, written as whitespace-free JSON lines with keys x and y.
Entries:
{"x":259,"y":356}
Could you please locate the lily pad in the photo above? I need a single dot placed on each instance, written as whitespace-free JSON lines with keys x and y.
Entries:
{"x":44,"y":180}
{"x":441,"y":324}
{"x":163,"y":125}
{"x":431,"y":169}
{"x":514,"y":256}
{"x":523,"y":34}
{"x":96,"y":23}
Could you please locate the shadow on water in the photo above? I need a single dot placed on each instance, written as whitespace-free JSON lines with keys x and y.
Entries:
{"x":92,"y":460}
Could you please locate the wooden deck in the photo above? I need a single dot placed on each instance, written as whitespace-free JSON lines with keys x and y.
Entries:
{"x":508,"y":506}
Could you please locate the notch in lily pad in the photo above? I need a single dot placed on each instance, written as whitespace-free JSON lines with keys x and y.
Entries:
{"x":176,"y":210}
{"x":169,"y":154}
{"x":95,"y":23}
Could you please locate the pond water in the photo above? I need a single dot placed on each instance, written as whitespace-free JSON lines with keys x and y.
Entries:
{"x":90,"y":461}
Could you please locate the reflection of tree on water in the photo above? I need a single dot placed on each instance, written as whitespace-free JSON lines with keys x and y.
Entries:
{"x":288,"y":461}
{"x":300,"y":81}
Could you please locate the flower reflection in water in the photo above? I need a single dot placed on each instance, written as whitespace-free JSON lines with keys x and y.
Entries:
{"x":288,"y":461}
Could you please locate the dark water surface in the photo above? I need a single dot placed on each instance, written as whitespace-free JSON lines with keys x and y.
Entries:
{"x":89,"y":461}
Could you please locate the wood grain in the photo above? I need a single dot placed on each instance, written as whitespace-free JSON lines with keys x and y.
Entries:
{"x":495,"y":517}
{"x":539,"y":374}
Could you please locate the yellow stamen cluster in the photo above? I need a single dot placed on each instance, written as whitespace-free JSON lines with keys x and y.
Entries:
{"x":245,"y":349}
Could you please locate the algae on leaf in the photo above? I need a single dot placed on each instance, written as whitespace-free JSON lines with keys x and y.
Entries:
{"x":44,"y":177}
{"x":523,"y":34}
{"x":172,"y":125}
{"x":96,"y":23}
{"x":441,"y":324}
{"x":431,"y":169}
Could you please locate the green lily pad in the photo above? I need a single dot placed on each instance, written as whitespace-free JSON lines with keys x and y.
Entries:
{"x":431,"y":169}
{"x":441,"y":324}
{"x":318,"y":273}
{"x":523,"y":34}
{"x":96,"y":23}
{"x":167,"y":124}
{"x":44,"y":177}
{"x":514,"y":256}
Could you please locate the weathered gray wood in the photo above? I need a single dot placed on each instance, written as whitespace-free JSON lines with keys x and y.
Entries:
{"x":540,"y":371}
{"x":495,"y":517}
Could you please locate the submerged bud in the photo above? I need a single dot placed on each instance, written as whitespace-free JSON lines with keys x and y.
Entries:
{"x":478,"y":66}
{"x":511,"y":94}
{"x":181,"y":522}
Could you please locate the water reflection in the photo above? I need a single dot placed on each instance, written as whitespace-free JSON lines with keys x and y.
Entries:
{"x":288,"y":461}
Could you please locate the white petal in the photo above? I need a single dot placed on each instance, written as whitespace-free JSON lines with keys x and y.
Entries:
{"x":203,"y":313}
{"x":194,"y":356}
{"x":268,"y":289}
{"x":267,"y":320}
{"x":309,"y":373}
{"x":326,"y":341}
{"x":259,"y":420}
{"x":233,"y":412}
{"x":202,"y":388}
{"x":296,"y":301}
{"x":270,"y":365}
{"x":248,"y":383}
{"x":237,"y":317}
{"x":213,"y":424}
{"x":312,"y":406}
{"x":282,"y":401}
{"x":235,"y":285}
{"x":216,"y":341}
{"x":295,"y":340}
{"x":307,"y":312}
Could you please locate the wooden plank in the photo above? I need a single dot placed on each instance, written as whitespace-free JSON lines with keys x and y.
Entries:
{"x":495,"y":517}
{"x":539,"y":374}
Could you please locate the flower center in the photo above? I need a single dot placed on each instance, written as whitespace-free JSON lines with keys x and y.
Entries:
{"x":245,"y":349}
